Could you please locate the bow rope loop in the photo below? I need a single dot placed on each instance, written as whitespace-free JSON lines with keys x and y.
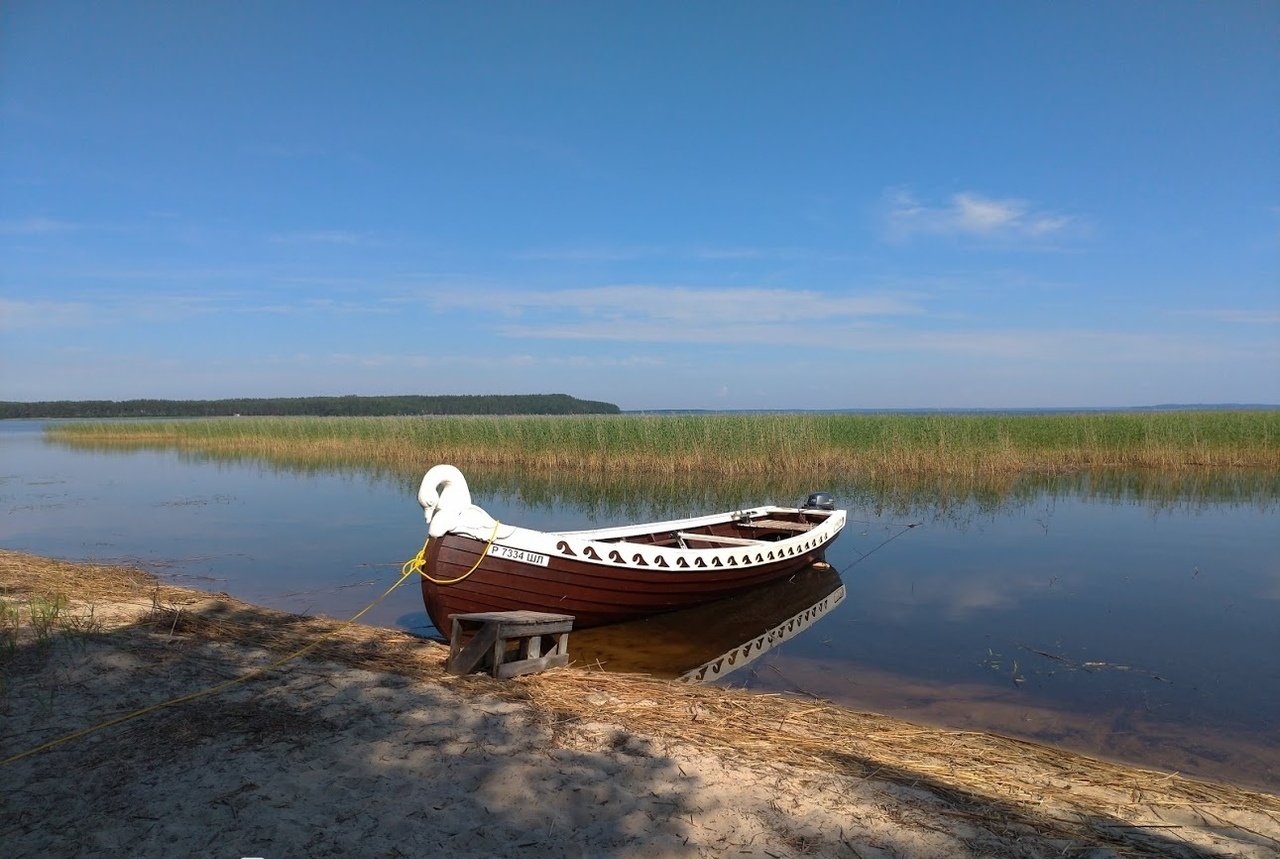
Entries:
{"x":418,"y":563}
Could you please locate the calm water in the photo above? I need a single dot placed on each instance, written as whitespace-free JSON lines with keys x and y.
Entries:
{"x":1132,"y":616}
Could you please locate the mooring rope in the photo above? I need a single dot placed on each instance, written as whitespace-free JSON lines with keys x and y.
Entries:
{"x":418,"y":563}
{"x":865,"y":555}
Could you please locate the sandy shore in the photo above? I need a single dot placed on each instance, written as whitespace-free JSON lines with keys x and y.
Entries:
{"x":364,"y":747}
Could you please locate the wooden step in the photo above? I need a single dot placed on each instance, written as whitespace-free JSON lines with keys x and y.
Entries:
{"x":508,"y":643}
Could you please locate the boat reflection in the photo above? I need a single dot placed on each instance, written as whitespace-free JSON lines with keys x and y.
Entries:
{"x":709,"y":641}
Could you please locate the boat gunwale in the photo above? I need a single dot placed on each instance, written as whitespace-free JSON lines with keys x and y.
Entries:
{"x":615,"y":531}
{"x":570,"y":544}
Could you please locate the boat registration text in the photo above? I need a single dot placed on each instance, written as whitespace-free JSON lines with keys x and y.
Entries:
{"x":520,"y":555}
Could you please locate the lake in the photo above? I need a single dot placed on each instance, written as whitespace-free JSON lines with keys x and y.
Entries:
{"x":1130,"y":616}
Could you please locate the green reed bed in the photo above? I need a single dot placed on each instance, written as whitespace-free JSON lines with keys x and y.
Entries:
{"x":949,"y":444}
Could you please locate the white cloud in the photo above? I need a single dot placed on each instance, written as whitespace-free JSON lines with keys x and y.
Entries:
{"x":971,"y":215}
{"x":975,"y":214}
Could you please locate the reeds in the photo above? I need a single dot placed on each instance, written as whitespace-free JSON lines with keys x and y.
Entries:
{"x":869,"y":446}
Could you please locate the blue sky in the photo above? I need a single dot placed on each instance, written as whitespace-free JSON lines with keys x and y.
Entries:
{"x":663,"y":205}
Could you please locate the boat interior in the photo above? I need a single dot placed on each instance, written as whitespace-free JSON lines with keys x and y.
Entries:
{"x":768,"y":526}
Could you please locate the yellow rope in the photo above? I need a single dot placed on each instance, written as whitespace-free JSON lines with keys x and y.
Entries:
{"x":416,"y":564}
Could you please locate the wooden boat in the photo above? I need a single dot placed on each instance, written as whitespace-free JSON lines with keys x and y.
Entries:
{"x":473,"y":563}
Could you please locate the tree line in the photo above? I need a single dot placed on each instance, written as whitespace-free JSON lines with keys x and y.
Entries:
{"x":347,"y":406}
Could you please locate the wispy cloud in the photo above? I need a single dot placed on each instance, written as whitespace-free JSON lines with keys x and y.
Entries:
{"x":43,"y":315}
{"x":972,"y":215}
{"x":421,"y":361}
{"x":874,"y":323}
{"x":322,"y":237}
{"x":105,"y":310}
{"x":36,"y":226}
{"x":591,"y":253}
{"x":636,"y":303}
{"x":703,"y":253}
{"x":1237,"y":315}
{"x":159,"y":308}
{"x":879,"y":322}
{"x":284,"y":151}
{"x":301,"y":306}
{"x":836,"y":335}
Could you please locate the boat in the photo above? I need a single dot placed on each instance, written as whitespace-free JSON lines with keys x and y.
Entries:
{"x":473,"y":563}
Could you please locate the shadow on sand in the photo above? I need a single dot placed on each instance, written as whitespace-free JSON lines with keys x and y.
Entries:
{"x":365,"y":747}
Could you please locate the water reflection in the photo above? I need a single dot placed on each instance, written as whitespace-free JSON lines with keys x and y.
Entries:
{"x":635,"y":497}
{"x":711,"y":641}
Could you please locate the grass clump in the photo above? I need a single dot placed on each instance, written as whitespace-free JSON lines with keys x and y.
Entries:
{"x":45,"y":611}
{"x":33,"y":623}
{"x":10,"y":623}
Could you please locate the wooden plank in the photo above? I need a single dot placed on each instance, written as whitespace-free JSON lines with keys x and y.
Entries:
{"x":471,"y":656}
{"x":532,"y":666}
{"x":779,"y":525}
{"x":499,"y":653}
{"x":514,"y":616}
{"x":523,"y":630}
{"x":455,"y":639}
{"x":713,"y":538}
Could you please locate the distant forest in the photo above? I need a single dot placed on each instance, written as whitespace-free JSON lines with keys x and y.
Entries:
{"x":350,"y":406}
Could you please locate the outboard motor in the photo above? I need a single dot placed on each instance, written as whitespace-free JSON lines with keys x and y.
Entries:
{"x":820,"y":501}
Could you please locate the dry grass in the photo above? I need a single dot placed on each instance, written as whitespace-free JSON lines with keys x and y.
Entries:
{"x":28,"y":576}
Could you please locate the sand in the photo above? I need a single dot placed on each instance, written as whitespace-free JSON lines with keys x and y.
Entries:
{"x":365,"y":747}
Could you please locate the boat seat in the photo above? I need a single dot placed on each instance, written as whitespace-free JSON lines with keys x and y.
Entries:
{"x":713,"y":538}
{"x":779,"y":525}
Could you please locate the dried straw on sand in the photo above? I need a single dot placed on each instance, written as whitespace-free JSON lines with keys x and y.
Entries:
{"x":367,"y":747}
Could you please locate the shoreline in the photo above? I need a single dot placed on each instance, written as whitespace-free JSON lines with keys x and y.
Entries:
{"x":365,"y":745}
